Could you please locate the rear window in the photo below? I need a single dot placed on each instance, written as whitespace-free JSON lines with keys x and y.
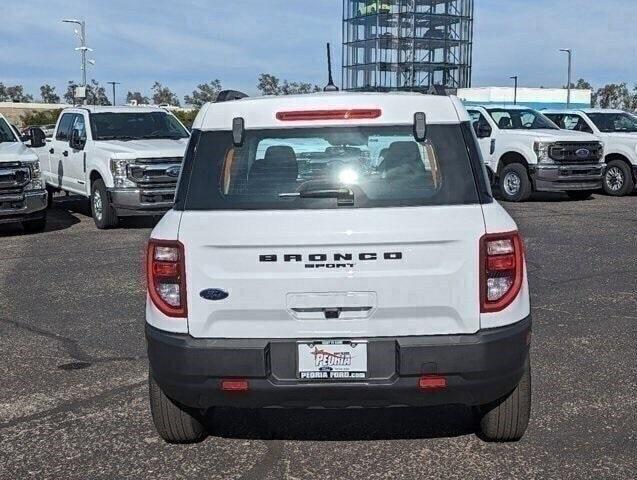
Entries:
{"x":310,"y":168}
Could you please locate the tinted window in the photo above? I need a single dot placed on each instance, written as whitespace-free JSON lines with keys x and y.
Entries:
{"x":80,"y":125}
{"x":6,"y":134}
{"x":614,"y":122}
{"x":520,"y":119}
{"x":307,"y":168}
{"x":136,"y":126}
{"x":571,"y":122}
{"x":65,"y":127}
{"x":478,"y":121}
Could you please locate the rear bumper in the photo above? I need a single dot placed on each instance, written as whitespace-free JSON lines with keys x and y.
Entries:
{"x":480,"y":368}
{"x":137,"y":201}
{"x":560,"y":178}
{"x":30,"y":205}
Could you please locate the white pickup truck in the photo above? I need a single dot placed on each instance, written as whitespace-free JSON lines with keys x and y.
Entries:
{"x":23,"y":197}
{"x":618,"y":130}
{"x":524,"y":152}
{"x":125,"y":159}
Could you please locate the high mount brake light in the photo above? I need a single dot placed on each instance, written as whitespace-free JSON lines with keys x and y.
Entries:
{"x":318,"y":115}
{"x":501,"y":270}
{"x":166,"y":277}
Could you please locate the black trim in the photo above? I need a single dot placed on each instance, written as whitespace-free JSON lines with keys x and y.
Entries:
{"x":478,"y":167}
{"x":480,"y":368}
{"x":186,"y":171}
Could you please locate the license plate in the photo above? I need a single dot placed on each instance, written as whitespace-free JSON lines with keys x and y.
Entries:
{"x":333,"y":360}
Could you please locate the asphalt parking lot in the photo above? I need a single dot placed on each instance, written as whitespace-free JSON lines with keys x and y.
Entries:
{"x":73,"y":396}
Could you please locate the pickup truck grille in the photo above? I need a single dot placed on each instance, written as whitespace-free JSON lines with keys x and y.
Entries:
{"x":155,"y":172}
{"x":576,"y":152}
{"x":13,"y":176}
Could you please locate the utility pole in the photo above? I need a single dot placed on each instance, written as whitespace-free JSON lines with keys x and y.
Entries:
{"x":82,"y":48}
{"x":570,"y":69}
{"x":113,"y":84}
{"x":515,"y":89}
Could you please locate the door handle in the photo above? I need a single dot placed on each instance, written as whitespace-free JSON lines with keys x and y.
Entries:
{"x":65,"y":153}
{"x":52,"y":151}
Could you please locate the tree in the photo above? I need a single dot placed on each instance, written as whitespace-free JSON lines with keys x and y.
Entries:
{"x":95,"y":94}
{"x":271,"y":85}
{"x":47,"y":92}
{"x":187,"y":117}
{"x":40,"y":117}
{"x":138,"y":97}
{"x":163,"y":95}
{"x":14,"y":93}
{"x":617,"y":95}
{"x":206,"y":92}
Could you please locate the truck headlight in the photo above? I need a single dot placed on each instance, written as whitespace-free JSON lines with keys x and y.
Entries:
{"x":36,"y":182}
{"x":119,"y":168}
{"x":542,"y":151}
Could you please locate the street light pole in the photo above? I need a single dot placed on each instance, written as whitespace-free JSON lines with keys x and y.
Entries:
{"x":113,"y":84}
{"x":515,"y":89}
{"x":83,"y":48}
{"x":570,"y":69}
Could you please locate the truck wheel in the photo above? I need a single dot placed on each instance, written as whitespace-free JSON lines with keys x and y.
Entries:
{"x":36,"y":225}
{"x":173,"y":422}
{"x":103,"y":213}
{"x":580,"y":194}
{"x":506,"y":420}
{"x":515,"y":185}
{"x":618,"y":179}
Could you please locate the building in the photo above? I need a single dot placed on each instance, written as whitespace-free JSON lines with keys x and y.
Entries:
{"x":537,"y":98}
{"x":407,"y":44}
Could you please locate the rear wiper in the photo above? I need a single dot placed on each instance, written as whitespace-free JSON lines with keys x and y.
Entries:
{"x":344,"y":196}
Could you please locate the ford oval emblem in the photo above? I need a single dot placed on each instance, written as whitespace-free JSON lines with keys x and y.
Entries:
{"x":173,"y":171}
{"x":214,"y":294}
{"x":583,"y":153}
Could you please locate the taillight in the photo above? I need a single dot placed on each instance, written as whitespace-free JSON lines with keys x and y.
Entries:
{"x":317,"y":115}
{"x":501,"y":270}
{"x":166,"y":277}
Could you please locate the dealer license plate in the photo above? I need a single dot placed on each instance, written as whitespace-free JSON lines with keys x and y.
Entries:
{"x":333,"y":360}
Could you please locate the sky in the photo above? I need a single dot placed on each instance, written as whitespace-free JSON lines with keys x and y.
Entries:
{"x":187,"y":42}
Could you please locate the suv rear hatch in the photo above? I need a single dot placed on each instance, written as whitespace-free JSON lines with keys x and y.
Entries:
{"x":381,"y":242}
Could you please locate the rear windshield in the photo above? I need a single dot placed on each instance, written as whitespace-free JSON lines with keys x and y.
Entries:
{"x":309,"y":168}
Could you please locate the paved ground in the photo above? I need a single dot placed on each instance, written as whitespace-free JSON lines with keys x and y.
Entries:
{"x":73,"y":400}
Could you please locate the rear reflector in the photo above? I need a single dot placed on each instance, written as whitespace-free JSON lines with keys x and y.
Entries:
{"x":235,"y":385}
{"x":432,"y":382}
{"x":501,"y":270}
{"x":318,"y":115}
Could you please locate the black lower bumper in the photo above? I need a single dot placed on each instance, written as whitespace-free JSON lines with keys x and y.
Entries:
{"x":561,"y":178}
{"x":479,"y":368}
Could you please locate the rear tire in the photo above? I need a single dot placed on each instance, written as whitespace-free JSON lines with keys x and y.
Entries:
{"x":580,"y":194}
{"x":618,"y":179}
{"x":174,"y":423}
{"x":103,"y":213}
{"x":514,"y":183}
{"x":34,"y":226}
{"x":507,"y":419}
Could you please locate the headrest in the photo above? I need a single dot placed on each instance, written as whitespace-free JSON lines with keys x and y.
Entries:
{"x":505,"y":122}
{"x":402,"y":155}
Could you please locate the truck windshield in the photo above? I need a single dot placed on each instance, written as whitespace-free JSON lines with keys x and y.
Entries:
{"x":310,"y":168}
{"x":520,"y":119}
{"x":135,"y":126}
{"x":614,"y":122}
{"x":6,"y":132}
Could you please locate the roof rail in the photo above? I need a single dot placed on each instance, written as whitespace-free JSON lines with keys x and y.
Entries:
{"x":229,"y":95}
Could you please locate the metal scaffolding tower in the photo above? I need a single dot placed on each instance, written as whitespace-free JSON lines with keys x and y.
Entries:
{"x":410,"y":45}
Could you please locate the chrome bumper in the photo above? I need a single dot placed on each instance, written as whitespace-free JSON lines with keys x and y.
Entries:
{"x":139,"y":201}
{"x":16,"y":207}
{"x":560,"y":178}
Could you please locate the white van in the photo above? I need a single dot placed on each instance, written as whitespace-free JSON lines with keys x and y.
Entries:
{"x":336,"y":250}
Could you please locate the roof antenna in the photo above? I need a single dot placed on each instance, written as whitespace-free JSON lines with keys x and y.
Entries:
{"x":330,"y":87}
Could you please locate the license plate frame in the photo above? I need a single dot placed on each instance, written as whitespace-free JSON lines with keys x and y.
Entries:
{"x":332,"y":360}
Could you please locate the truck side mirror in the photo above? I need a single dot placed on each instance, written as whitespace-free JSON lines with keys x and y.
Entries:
{"x":76,"y":141}
{"x":37,"y":137}
{"x":420,"y":126}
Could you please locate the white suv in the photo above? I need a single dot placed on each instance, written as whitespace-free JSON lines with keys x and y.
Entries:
{"x":336,"y":250}
{"x":618,"y":130}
